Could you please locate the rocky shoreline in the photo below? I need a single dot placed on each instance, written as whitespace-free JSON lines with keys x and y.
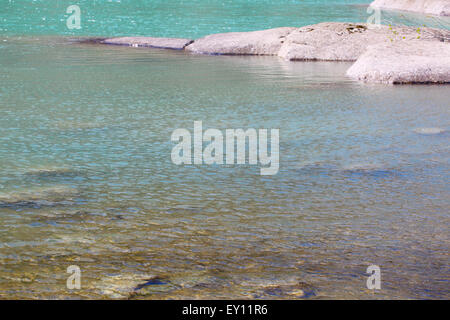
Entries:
{"x":383,"y":54}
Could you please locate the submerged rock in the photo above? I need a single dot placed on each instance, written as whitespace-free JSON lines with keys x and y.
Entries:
{"x":404,"y":62}
{"x":120,"y":286}
{"x":265,"y":42}
{"x":162,"y":43}
{"x":51,"y":172}
{"x":369,"y":170}
{"x":284,"y":290}
{"x":131,"y":285}
{"x":152,"y":282}
{"x":429,"y":130}
{"x":287,"y":290}
{"x":435,"y":7}
{"x":336,"y":41}
{"x":362,"y":167}
{"x":36,"y":198}
{"x":76,"y":125}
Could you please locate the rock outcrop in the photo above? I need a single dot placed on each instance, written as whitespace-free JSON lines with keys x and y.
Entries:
{"x":435,"y":7}
{"x":404,"y":62}
{"x":384,"y":54}
{"x":162,"y":43}
{"x":335,"y":41}
{"x":328,"y":41}
{"x":265,"y":42}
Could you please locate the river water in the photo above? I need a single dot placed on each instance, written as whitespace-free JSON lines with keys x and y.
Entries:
{"x":86,"y":176}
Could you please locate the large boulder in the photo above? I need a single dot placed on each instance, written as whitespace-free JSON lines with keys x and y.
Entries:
{"x":162,"y":43}
{"x":336,"y":41}
{"x":404,"y":62}
{"x":265,"y":42}
{"x":435,"y":7}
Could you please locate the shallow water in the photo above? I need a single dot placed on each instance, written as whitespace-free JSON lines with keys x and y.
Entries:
{"x":86,"y":177}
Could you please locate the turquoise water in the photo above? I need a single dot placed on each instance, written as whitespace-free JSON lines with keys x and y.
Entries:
{"x":86,"y":176}
{"x":191,"y":19}
{"x":169,"y":18}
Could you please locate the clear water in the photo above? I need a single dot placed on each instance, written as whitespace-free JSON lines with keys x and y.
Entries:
{"x":86,"y":177}
{"x":191,"y":19}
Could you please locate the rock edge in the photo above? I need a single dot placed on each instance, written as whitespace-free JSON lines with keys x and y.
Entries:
{"x":383,"y":54}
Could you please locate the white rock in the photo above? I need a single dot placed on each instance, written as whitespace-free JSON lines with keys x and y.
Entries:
{"x":162,"y":43}
{"x":265,"y":42}
{"x":336,"y":41}
{"x":435,"y":7}
{"x":399,"y":62}
{"x":385,"y":54}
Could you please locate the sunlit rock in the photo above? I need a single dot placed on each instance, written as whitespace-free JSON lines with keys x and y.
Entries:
{"x":264,"y":42}
{"x":404,"y":62}
{"x":336,"y":41}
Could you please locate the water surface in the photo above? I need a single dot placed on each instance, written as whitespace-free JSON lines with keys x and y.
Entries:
{"x":86,"y":177}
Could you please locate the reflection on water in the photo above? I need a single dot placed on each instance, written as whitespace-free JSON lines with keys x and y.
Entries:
{"x":86,"y":178}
